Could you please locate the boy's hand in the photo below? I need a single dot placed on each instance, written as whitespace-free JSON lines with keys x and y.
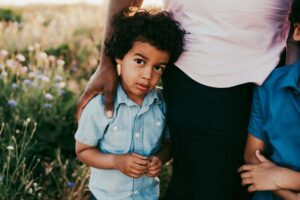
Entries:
{"x":131,"y":164}
{"x":154,"y":166}
{"x":262,"y":176}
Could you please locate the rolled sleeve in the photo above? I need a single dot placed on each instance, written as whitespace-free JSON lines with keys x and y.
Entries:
{"x":256,"y":127}
{"x":92,"y":123}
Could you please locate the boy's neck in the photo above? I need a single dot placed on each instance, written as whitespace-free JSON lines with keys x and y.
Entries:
{"x":292,"y":52}
{"x":136,"y":99}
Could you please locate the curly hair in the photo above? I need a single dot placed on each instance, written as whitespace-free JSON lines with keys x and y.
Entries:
{"x":156,"y":28}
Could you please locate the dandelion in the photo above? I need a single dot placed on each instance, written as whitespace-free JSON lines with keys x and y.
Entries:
{"x":70,"y":184}
{"x":20,"y":57}
{"x":60,"y":85}
{"x":60,"y":62}
{"x":47,"y":106}
{"x":4,"y":52}
{"x":10,"y":148}
{"x":12,"y":103}
{"x":14,"y":85}
{"x":48,"y":96}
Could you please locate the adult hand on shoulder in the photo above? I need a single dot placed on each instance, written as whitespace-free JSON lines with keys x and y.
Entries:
{"x":104,"y":81}
{"x":154,"y":166}
{"x":131,"y":164}
{"x":261,"y":176}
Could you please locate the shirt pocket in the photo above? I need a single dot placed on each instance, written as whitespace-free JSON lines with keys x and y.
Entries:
{"x":116,"y":140}
{"x":153,"y":133}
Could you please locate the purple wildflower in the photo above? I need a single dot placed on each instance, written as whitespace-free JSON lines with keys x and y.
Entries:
{"x":12,"y":103}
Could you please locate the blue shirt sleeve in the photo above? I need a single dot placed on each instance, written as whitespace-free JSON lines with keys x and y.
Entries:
{"x":92,"y":123}
{"x":256,"y":127}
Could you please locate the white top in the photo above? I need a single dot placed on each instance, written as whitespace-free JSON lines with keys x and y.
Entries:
{"x":231,"y":42}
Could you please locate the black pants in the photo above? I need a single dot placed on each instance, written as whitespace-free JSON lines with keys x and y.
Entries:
{"x":208,"y":129}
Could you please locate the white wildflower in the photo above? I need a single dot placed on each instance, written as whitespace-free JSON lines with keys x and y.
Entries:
{"x":48,"y":96}
{"x":10,"y":147}
{"x":60,"y":62}
{"x":42,"y":55}
{"x":24,"y":69}
{"x":20,"y":57}
{"x":30,"y":191}
{"x":30,"y":48}
{"x":46,"y":79}
{"x":28,"y":120}
{"x":4,"y":52}
{"x":11,"y":63}
{"x":60,"y":85}
{"x":14,"y":85}
{"x":17,"y":131}
{"x":31,"y":74}
{"x":4,"y":74}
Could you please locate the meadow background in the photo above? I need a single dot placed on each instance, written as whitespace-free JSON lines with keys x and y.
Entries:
{"x":47,"y":54}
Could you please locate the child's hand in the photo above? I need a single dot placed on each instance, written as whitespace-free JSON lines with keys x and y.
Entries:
{"x":131,"y":164}
{"x":262,"y":176}
{"x":154,"y":166}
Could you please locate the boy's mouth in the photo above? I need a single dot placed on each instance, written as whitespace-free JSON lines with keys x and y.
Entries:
{"x":142,"y":87}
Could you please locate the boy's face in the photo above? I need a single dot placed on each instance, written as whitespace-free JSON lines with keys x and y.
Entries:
{"x":141,"y":69}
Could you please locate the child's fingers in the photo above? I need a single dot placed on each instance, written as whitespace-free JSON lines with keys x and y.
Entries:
{"x":139,"y":156}
{"x":138,"y":167}
{"x":140,"y":161}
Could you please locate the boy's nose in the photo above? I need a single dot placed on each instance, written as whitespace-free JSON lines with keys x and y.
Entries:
{"x":147,"y":72}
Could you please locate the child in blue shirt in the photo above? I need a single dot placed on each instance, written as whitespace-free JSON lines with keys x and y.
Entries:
{"x":126,"y":152}
{"x":274,"y":128}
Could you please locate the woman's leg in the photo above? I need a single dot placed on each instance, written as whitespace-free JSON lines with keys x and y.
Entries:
{"x":208,"y":128}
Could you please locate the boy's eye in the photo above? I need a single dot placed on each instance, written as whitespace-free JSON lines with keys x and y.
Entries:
{"x":139,"y":61}
{"x":159,"y":68}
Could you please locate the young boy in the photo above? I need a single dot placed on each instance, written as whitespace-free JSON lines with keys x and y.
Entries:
{"x":275,"y":128}
{"x":126,"y":152}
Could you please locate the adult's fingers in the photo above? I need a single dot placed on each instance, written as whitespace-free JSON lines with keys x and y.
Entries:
{"x":246,"y":168}
{"x":109,"y":103}
{"x":138,"y":167}
{"x":139,"y":156}
{"x":247,"y":181}
{"x":251,"y":188}
{"x":245,"y":175}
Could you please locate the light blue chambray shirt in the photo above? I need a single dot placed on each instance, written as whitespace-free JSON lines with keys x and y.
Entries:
{"x":133,"y":128}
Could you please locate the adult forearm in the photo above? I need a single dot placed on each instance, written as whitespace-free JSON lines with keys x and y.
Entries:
{"x":113,"y":7}
{"x":287,"y":195}
{"x":94,"y":158}
{"x":289,"y":180}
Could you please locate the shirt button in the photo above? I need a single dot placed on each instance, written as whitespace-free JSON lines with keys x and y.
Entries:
{"x":136,"y":192}
{"x":158,"y":124}
{"x":115,"y":128}
{"x":137,"y":135}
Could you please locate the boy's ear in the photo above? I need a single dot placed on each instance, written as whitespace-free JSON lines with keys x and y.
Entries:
{"x":296,"y":34}
{"x":118,"y":60}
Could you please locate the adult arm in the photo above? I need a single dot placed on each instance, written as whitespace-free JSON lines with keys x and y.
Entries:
{"x":104,"y":80}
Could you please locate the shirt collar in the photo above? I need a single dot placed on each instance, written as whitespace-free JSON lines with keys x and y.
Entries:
{"x":121,"y":97}
{"x":292,"y":78}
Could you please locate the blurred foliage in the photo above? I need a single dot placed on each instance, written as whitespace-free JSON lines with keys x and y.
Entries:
{"x":8,"y":15}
